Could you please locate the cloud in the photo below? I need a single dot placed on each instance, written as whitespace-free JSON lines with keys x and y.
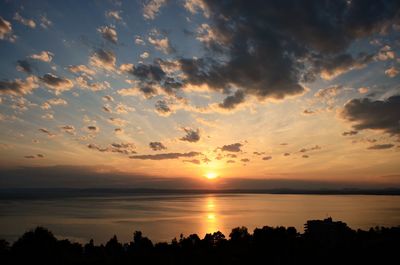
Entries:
{"x":157,"y":146}
{"x":58,"y":84}
{"x":114,"y":14}
{"x":303,"y":150}
{"x":81,"y":69}
{"x":68,"y":129}
{"x":161,"y":43}
{"x":45,"y":131}
{"x":286,"y":154}
{"x":119,"y":131}
{"x":45,"y":22}
{"x":152,"y":8}
{"x":194,"y":6}
{"x":162,"y":108}
{"x":24,"y":66}
{"x":6,"y":32}
{"x":108,"y":33}
{"x":230,"y":161}
{"x":44,"y":56}
{"x":267,"y":158}
{"x":193,"y":161}
{"x":18,"y":86}
{"x":374,"y":114}
{"x":191,"y":136}
{"x":305,"y":156}
{"x":391,"y":72}
{"x":139,"y":41}
{"x":117,"y":122}
{"x":230,"y":102}
{"x":166,"y":156}
{"x":108,"y":98}
{"x":92,"y":129}
{"x":123,"y":109}
{"x":127,"y":68}
{"x":363,"y":90}
{"x":276,"y":47}
{"x":380,"y":146}
{"x":349,"y":133}
{"x":34,"y":156}
{"x":84,"y":83}
{"x":341,"y":64}
{"x":386,"y":53}
{"x":144,"y":55}
{"x":103,"y":59}
{"x":236,"y":147}
{"x":122,"y":148}
{"x":308,"y":111}
{"x":149,"y":72}
{"x":27,"y":22}
{"x":48,"y":116}
{"x":53,"y":102}
{"x":328,"y":92}
{"x":245,"y":160}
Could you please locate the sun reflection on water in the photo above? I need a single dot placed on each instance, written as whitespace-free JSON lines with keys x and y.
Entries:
{"x":211,"y":222}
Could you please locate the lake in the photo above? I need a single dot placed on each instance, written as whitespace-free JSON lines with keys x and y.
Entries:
{"x":163,"y":217}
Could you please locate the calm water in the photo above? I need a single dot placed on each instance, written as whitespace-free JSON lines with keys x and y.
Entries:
{"x":162,"y":218}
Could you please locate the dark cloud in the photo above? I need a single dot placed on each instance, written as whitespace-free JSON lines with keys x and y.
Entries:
{"x":59,"y":84}
{"x":166,"y":156}
{"x":18,"y":86}
{"x":100,"y":176}
{"x":230,"y":102}
{"x":162,"y":107}
{"x":232,"y":147}
{"x":191,"y":136}
{"x":92,"y":128}
{"x":349,"y":133}
{"x":157,"y":146}
{"x":245,"y":160}
{"x":230,"y":161}
{"x":374,"y":114}
{"x":149,"y":72}
{"x":68,"y":129}
{"x":286,"y":154}
{"x":44,"y":130}
{"x":267,"y":158}
{"x":24,"y":66}
{"x":267,"y":48}
{"x":258,"y":153}
{"x":307,"y":111}
{"x":305,"y":156}
{"x":380,"y":146}
{"x":103,"y":59}
{"x":329,"y":68}
{"x":122,"y":148}
{"x":193,"y":161}
{"x":34,"y":156}
{"x":303,"y":150}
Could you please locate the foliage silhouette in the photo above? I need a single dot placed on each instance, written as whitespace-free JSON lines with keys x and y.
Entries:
{"x":323,"y":242}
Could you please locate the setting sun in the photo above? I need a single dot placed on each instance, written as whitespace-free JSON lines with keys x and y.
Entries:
{"x":211,"y":175}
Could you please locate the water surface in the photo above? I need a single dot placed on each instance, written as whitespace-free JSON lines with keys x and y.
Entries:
{"x":163,"y":217}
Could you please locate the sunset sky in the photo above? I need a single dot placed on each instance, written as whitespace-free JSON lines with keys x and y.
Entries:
{"x":269,"y":90}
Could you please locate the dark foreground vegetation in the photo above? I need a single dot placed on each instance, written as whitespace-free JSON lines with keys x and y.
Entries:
{"x":323,"y":242}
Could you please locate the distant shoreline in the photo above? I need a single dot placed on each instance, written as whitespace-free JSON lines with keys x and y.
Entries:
{"x":49,"y":193}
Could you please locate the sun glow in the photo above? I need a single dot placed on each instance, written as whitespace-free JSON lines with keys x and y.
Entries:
{"x":211,"y":175}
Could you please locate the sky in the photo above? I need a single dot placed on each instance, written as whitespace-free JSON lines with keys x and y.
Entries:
{"x":286,"y":91}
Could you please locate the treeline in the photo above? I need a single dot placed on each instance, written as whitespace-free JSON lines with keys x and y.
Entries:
{"x":323,"y":242}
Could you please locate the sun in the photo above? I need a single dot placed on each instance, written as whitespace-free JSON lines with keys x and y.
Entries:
{"x":211,"y":175}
